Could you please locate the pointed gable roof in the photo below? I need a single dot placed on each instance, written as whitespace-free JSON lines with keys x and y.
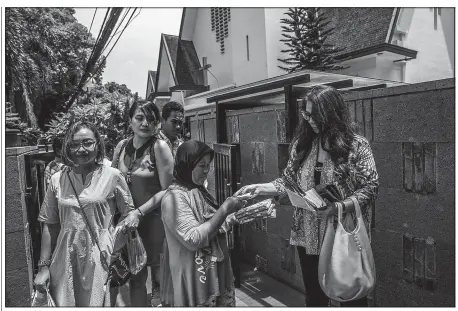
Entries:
{"x":150,"y":83}
{"x":185,"y":61}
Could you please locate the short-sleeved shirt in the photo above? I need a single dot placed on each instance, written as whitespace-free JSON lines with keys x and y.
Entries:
{"x":76,"y":272}
{"x":172,"y":145}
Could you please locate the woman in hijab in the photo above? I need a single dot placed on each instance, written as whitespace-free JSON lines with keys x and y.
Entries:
{"x":196,"y":270}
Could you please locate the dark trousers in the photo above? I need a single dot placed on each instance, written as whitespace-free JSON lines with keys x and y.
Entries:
{"x":314,"y":295}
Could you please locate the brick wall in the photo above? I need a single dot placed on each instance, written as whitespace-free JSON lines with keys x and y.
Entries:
{"x":411,"y":129}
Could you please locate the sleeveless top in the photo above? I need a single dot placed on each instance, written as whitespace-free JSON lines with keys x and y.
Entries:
{"x":144,"y":178}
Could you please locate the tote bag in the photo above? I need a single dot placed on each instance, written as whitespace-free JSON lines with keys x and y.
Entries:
{"x":346,"y":268}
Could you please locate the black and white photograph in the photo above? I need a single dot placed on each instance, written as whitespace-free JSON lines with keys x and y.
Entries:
{"x":202,"y":156}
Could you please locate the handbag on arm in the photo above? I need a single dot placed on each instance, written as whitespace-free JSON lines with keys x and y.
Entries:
{"x":346,"y":268}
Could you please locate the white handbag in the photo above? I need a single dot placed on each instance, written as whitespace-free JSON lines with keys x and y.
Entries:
{"x":346,"y":268}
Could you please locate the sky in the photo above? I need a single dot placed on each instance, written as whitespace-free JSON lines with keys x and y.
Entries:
{"x":138,"y":48}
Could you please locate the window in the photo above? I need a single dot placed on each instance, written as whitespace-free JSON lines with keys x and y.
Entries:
{"x":247,"y":49}
{"x":435,"y":19}
{"x":220,"y":18}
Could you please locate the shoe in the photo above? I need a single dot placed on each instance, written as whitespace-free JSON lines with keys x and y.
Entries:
{"x":156,"y":296}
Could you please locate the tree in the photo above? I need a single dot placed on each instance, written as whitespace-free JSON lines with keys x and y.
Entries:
{"x":46,"y":51}
{"x":305,"y":31}
{"x":107,"y":106}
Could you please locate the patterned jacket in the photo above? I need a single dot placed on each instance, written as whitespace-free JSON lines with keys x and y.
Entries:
{"x":358,"y":177}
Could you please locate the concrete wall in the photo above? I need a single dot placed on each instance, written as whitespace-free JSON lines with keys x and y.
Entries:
{"x":416,"y":194}
{"x":18,"y":271}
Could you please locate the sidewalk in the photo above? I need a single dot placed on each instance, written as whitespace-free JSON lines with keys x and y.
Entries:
{"x":256,"y":290}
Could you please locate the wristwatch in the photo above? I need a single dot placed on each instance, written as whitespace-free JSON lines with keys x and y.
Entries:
{"x":44,"y":263}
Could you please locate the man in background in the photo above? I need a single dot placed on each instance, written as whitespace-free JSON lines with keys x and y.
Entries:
{"x":172,"y":125}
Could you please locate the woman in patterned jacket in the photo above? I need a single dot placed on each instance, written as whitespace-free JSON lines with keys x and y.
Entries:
{"x":324,"y":150}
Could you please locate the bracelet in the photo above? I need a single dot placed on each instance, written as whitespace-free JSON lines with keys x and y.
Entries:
{"x":44,"y":263}
{"x":141,"y":213}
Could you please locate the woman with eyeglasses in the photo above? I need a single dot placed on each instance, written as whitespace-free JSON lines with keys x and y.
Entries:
{"x":77,"y":215}
{"x":324,"y":150}
{"x":147,"y":164}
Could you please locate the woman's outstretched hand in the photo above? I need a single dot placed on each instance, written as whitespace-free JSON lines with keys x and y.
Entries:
{"x":254,"y":190}
{"x":233,"y":204}
{"x":131,"y":221}
{"x":248,"y":190}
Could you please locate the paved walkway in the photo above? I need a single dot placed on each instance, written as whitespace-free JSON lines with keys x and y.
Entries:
{"x":256,"y":290}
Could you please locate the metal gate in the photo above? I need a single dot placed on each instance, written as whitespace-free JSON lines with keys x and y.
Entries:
{"x":226,"y":182}
{"x":35,"y":165}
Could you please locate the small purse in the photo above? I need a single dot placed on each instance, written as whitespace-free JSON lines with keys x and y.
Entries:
{"x":346,"y":268}
{"x":39,"y":300}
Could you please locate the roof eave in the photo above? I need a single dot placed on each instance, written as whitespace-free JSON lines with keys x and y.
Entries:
{"x":189,"y":87}
{"x":182,"y":22}
{"x":383,"y":47}
{"x":158,"y":71}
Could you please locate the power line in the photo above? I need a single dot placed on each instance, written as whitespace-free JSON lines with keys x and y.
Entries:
{"x":92,"y":21}
{"x":128,"y":22}
{"x":105,"y":31}
{"x":98,"y":36}
{"x":119,"y":25}
{"x":131,"y":20}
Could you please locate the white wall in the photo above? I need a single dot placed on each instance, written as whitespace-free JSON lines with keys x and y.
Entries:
{"x":273,"y":44}
{"x":448,"y":25}
{"x":248,"y":22}
{"x":361,"y":67}
{"x":433,"y":60}
{"x":204,"y":40}
{"x":375,"y":67}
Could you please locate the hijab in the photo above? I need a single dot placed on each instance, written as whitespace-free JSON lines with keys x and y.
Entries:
{"x":188,"y":155}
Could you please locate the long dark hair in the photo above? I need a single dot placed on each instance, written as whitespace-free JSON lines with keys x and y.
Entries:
{"x":66,"y":153}
{"x":331,"y":115}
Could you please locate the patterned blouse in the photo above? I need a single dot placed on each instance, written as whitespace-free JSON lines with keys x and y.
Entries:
{"x":358,"y":177}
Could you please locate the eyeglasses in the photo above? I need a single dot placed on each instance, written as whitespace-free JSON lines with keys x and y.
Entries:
{"x":86,"y":144}
{"x":307,"y":116}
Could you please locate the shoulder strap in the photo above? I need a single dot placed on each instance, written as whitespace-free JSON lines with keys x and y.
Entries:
{"x":152,"y":155}
{"x":86,"y":220}
{"x":116,"y":161}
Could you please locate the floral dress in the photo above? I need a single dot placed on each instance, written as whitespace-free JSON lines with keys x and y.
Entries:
{"x":358,"y":177}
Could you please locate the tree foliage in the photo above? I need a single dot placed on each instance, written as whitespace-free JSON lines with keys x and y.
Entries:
{"x":46,"y":51}
{"x":107,"y":106}
{"x":305,"y":31}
